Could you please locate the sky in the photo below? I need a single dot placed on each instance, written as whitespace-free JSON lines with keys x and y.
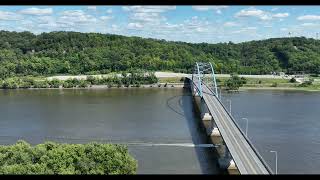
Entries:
{"x":195,"y":24}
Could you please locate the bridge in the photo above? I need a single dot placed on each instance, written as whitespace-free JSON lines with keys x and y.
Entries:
{"x":239,"y":151}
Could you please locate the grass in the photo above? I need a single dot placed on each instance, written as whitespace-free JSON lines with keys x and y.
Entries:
{"x":170,"y":80}
{"x":265,"y":83}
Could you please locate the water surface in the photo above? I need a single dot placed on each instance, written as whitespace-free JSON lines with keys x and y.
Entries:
{"x":112,"y":115}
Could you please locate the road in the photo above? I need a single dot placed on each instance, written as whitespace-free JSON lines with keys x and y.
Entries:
{"x":168,"y":75}
{"x":246,"y":160}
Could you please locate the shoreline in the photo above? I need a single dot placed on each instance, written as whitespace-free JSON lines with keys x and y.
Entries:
{"x":142,"y":86}
{"x":174,"y":85}
{"x":278,"y":88}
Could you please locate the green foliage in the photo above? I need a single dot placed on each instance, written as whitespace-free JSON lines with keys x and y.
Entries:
{"x":235,"y":82}
{"x":53,"y":158}
{"x":9,"y":84}
{"x":134,"y":78}
{"x":314,"y":75}
{"x":275,"y":84}
{"x":41,"y":84}
{"x":292,"y":80}
{"x":306,"y":83}
{"x":23,"y":53}
{"x":54,"y":83}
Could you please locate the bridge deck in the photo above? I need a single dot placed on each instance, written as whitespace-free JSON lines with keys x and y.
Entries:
{"x":245,"y":158}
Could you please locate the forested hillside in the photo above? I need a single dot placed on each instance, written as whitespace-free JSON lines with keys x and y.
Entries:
{"x":92,"y":53}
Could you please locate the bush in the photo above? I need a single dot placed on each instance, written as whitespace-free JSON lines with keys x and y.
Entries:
{"x":53,"y":158}
{"x":41,"y":84}
{"x":105,"y":71}
{"x":65,"y":84}
{"x":235,"y":82}
{"x":55,"y":83}
{"x":83,"y":84}
{"x":109,"y":85}
{"x":92,"y":80}
{"x":274,"y":84}
{"x":305,"y":84}
{"x":292,"y":80}
{"x":9,"y":84}
{"x":92,"y":73}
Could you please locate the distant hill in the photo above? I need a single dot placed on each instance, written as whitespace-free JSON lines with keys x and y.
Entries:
{"x":51,"y":53}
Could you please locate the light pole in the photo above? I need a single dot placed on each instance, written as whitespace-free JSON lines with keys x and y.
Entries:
{"x":276,"y":160}
{"x":229,"y":105}
{"x":246,"y":127}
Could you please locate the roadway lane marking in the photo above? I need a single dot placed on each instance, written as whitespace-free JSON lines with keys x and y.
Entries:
{"x":227,"y":124}
{"x":219,"y":108}
{"x":253,"y":155}
{"x":230,"y":135}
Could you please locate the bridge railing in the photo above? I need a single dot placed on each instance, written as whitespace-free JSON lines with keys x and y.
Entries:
{"x":243,"y":134}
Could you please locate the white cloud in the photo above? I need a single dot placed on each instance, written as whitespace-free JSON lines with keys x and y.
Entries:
{"x":245,"y":30}
{"x":230,"y":24}
{"x":109,"y":11}
{"x":147,"y":16}
{"x":106,"y":18}
{"x":280,"y":15}
{"x":92,"y":8}
{"x":44,"y":19}
{"x":36,"y":11}
{"x":217,"y":9}
{"x":9,"y":16}
{"x":195,"y":24}
{"x":309,"y":24}
{"x":283,"y":29}
{"x":265,"y":17}
{"x":251,"y":12}
{"x":76,"y":16}
{"x":72,"y":13}
{"x":308,"y":17}
{"x":249,"y":28}
{"x":262,"y":15}
{"x":135,"y":26}
{"x":148,"y":9}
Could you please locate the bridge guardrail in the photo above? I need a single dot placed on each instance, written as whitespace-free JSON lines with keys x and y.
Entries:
{"x":249,"y":142}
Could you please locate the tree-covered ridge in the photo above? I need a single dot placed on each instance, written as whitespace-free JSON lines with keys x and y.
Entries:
{"x":92,"y":53}
{"x":54,"y":158}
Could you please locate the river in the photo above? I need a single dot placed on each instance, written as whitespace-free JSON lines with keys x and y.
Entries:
{"x":147,"y":116}
{"x":283,"y":121}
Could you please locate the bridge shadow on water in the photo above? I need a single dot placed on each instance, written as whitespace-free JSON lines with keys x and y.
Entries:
{"x":207,"y":156}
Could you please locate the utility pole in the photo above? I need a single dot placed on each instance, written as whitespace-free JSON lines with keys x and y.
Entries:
{"x":276,"y":160}
{"x":246,"y":126}
{"x":229,"y":105}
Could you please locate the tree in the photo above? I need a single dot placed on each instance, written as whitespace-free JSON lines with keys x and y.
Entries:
{"x":54,"y":158}
{"x":235,"y":82}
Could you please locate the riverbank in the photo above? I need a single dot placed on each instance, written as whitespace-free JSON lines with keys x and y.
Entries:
{"x":159,"y":85}
{"x":280,"y":88}
{"x":162,"y":79}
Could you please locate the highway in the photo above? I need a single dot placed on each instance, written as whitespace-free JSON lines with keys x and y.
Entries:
{"x":244,"y":156}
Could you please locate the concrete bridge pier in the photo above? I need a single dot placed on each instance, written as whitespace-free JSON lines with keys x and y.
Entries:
{"x":226,"y":162}
{"x":205,"y":115}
